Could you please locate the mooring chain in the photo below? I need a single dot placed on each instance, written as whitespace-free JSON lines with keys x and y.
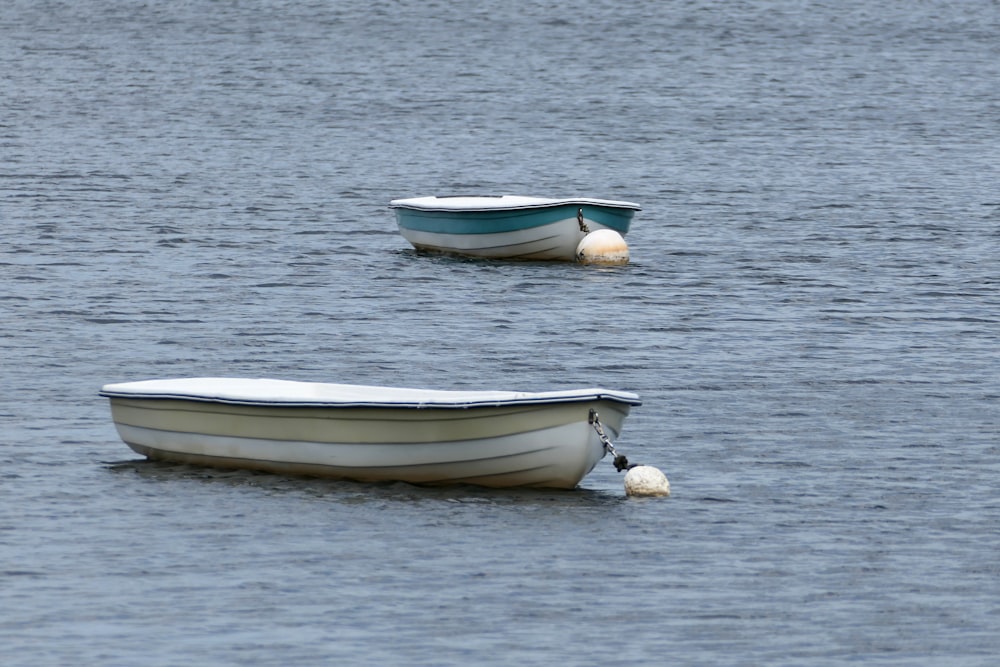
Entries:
{"x":579,"y":219}
{"x":620,"y":462}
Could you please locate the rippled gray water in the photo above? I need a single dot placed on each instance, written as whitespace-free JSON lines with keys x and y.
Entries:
{"x":811,"y":317}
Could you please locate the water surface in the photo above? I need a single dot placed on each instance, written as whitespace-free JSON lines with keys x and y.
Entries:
{"x":810,"y":317}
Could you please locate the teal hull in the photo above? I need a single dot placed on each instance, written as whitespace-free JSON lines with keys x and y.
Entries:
{"x":498,"y":222}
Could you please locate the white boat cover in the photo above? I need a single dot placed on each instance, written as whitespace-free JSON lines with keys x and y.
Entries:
{"x":261,"y":391}
{"x":501,"y":203}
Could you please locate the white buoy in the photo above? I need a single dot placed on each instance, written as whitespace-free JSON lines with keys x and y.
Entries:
{"x":604,"y":246}
{"x":646,"y":481}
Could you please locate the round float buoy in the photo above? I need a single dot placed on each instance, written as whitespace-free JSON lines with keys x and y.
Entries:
{"x":646,"y":481}
{"x":604,"y":246}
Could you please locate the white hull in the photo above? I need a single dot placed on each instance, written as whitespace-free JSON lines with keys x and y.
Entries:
{"x":487,"y":438}
{"x":554,"y":241}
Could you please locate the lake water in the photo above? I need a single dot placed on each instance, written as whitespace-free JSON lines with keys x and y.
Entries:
{"x":811,"y":317}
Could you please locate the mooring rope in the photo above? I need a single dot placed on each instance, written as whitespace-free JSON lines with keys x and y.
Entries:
{"x":620,"y":462}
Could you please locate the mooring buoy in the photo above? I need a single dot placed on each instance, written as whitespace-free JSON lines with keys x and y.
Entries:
{"x":646,"y":481}
{"x":603,"y":246}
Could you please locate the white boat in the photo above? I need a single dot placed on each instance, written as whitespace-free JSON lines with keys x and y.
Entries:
{"x":511,"y":227}
{"x":368,"y":433}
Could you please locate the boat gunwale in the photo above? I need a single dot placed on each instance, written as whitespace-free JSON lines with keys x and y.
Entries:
{"x":436,"y":399}
{"x":616,"y":397}
{"x":516,"y":203}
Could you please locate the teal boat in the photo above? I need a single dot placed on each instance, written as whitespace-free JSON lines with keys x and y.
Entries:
{"x":508,"y":226}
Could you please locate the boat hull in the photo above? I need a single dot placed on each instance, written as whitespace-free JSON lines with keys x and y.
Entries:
{"x":548,"y":444}
{"x":508,"y":227}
